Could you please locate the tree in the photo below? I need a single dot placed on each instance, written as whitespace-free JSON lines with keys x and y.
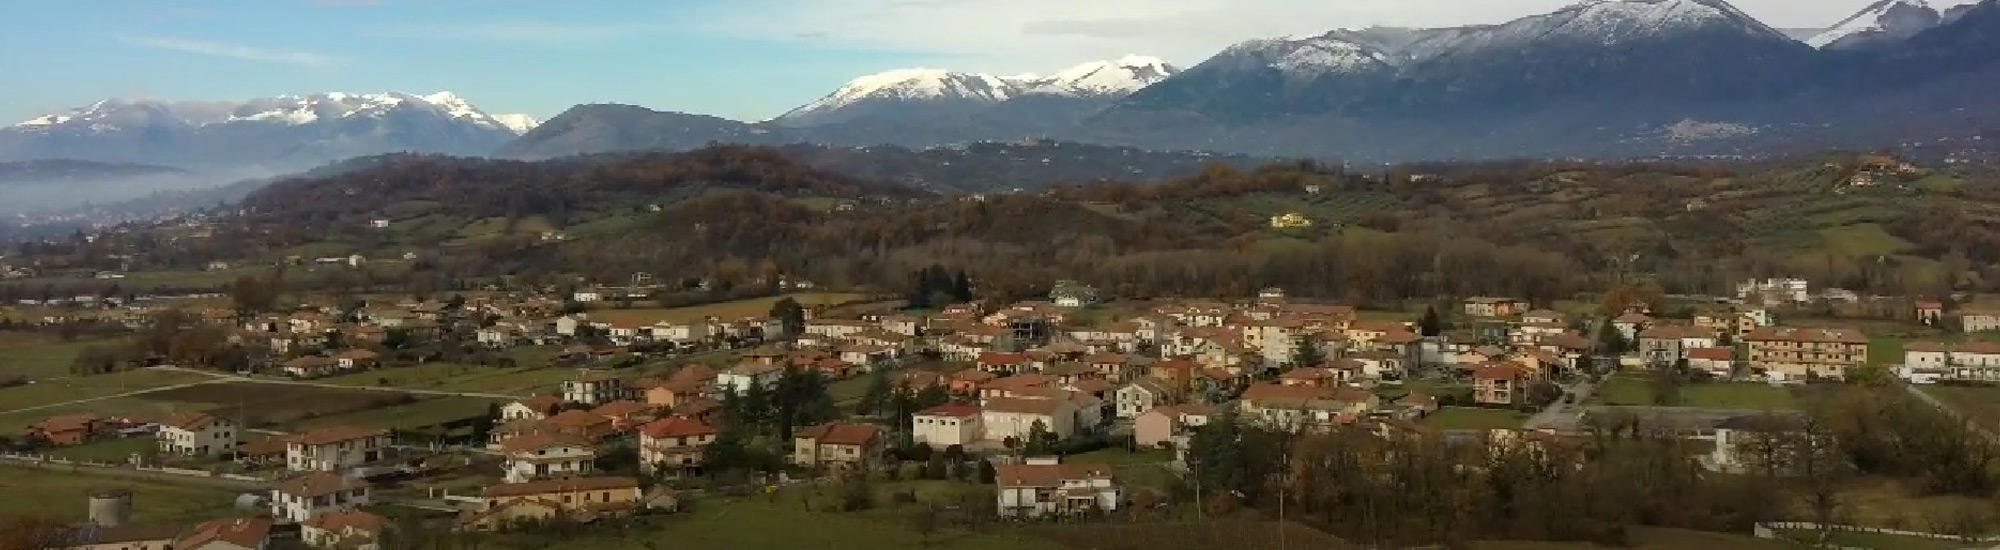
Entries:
{"x":1430,"y":324}
{"x":729,"y":451}
{"x":1041,"y":441}
{"x":987,"y":472}
{"x":876,"y":399}
{"x":252,"y":296}
{"x":1307,"y":352}
{"x":925,"y":523}
{"x":791,"y":317}
{"x":961,"y":287}
{"x":1610,"y":340}
{"x":1665,"y":386}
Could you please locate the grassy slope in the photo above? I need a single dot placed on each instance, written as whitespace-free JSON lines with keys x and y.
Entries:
{"x":60,"y":495}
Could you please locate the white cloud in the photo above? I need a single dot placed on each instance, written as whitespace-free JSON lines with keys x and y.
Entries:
{"x":1039,"y":35}
{"x":231,"y":51}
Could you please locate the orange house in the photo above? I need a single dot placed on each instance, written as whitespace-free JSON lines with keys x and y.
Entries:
{"x":69,"y":429}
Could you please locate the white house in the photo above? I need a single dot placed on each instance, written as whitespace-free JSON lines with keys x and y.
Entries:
{"x":1015,"y":417}
{"x":336,"y":448}
{"x":1979,"y":361}
{"x":196,"y":434}
{"x":305,"y":497}
{"x":594,"y":388}
{"x":1141,"y":395}
{"x":546,"y":455}
{"x":947,"y":425}
{"x":533,"y":408}
{"x":1775,"y":290}
{"x":740,"y":378}
{"x":586,"y":296}
{"x":1045,"y":486}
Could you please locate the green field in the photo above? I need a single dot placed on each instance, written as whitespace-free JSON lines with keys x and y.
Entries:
{"x":1862,"y":240}
{"x":1634,"y":391}
{"x":1147,"y":468}
{"x":754,"y":307}
{"x":456,"y":377}
{"x":1877,"y":541}
{"x":115,"y":451}
{"x":782,"y":522}
{"x":1979,"y":404}
{"x":86,"y":387}
{"x":1653,"y":538}
{"x":62,"y":496}
{"x":1470,"y":418}
{"x":1886,"y":350}
{"x":38,"y":357}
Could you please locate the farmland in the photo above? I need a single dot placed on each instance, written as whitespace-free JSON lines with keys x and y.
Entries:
{"x":1468,"y":418}
{"x":456,"y":378}
{"x":269,"y":404}
{"x":410,"y":416}
{"x":63,"y":390}
{"x":1632,"y":390}
{"x":40,"y":357}
{"x":1980,"y":404}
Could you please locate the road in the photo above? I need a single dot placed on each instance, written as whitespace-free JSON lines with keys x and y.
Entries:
{"x":1564,"y":414}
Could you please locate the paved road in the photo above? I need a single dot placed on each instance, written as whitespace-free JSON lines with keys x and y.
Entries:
{"x":102,"y":398}
{"x":1563,"y":415}
{"x":219,"y":377}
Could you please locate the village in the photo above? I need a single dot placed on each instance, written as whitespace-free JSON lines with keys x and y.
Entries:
{"x":334,"y":432}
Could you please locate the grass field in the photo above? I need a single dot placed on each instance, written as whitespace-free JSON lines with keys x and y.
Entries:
{"x":1469,"y":418}
{"x":1877,"y":541}
{"x":62,"y":390}
{"x":1979,"y":404}
{"x":1886,"y":350}
{"x":1633,"y":390}
{"x":1146,"y":468}
{"x":456,"y":377}
{"x":754,"y":307}
{"x":40,"y":357}
{"x":1652,"y":538}
{"x":1862,"y":239}
{"x":62,"y":496}
{"x":263,"y":404}
{"x":115,"y":451}
{"x":782,"y":521}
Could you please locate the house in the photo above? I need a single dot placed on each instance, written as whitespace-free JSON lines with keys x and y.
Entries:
{"x":90,"y":536}
{"x":1071,"y":294}
{"x":1003,"y":363}
{"x":1775,"y":290}
{"x":1969,"y":361}
{"x":196,"y":434}
{"x":335,"y":448}
{"x":1291,"y":220}
{"x":674,"y":444}
{"x":591,"y":387}
{"x":1978,"y":319}
{"x":1500,"y":384}
{"x":947,"y":425}
{"x":1045,"y":486}
{"x":547,"y":455}
{"x":1544,"y":317}
{"x":355,"y":359}
{"x":532,"y":408}
{"x":69,"y":429}
{"x":743,"y":376}
{"x":625,"y":415}
{"x":1015,"y":417}
{"x":1161,"y":425}
{"x":1666,"y":344}
{"x":302,"y":498}
{"x":1488,"y":306}
{"x":311,"y":366}
{"x":1717,"y":362}
{"x":355,"y":530}
{"x":577,"y":499}
{"x":837,"y":445}
{"x":1142,"y":395}
{"x":684,"y":385}
{"x":1798,"y":354}
{"x":1305,"y":407}
{"x":227,"y":534}
{"x":1630,"y":323}
{"x":1929,"y":312}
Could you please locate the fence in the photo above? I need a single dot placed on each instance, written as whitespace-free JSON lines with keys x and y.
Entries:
{"x":1770,"y":531}
{"x":158,"y":472}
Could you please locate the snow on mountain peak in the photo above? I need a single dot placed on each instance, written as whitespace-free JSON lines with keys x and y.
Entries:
{"x":1114,"y":77}
{"x":1883,"y":20}
{"x":288,"y":109}
{"x":518,"y":123}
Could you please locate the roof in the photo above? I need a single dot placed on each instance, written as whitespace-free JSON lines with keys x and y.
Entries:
{"x":342,"y":521}
{"x":1633,"y":318}
{"x":951,"y":410}
{"x":576,"y":418}
{"x":621,"y":408}
{"x":1001,"y":358}
{"x":676,"y":427}
{"x":1794,"y":334}
{"x":542,"y":403}
{"x":1047,"y":475}
{"x":1711,"y":354}
{"x":244,"y":532}
{"x":842,"y":433}
{"x":93,"y":534}
{"x":1979,"y":347}
{"x":588,"y":375}
{"x":1499,"y":371}
{"x":188,"y":420}
{"x":357,"y":355}
{"x":67,"y":422}
{"x":337,"y":434}
{"x":317,"y":484}
{"x":559,"y":485}
{"x":1675,"y":331}
{"x":542,"y":440}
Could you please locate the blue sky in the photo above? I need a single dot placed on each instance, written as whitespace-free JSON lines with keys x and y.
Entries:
{"x":745,"y":59}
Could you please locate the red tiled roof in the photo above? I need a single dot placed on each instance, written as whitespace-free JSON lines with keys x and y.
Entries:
{"x":542,"y":440}
{"x":337,"y":434}
{"x":1047,"y":475}
{"x":842,"y":433}
{"x":958,"y":411}
{"x":676,"y":427}
{"x":1001,"y":358}
{"x":317,"y":484}
{"x":243,"y":532}
{"x":559,"y":485}
{"x":1794,"y":334}
{"x":1499,"y":371}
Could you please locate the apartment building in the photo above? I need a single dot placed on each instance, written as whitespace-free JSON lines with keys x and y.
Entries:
{"x":1793,"y":354}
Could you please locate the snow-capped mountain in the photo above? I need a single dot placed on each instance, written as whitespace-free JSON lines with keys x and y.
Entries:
{"x":904,"y":93}
{"x":284,"y":131}
{"x":1881,"y":22}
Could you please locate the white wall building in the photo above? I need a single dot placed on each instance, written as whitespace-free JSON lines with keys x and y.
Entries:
{"x":304,"y":497}
{"x":196,"y":434}
{"x":947,"y":425}
{"x":1045,"y":486}
{"x":336,"y":448}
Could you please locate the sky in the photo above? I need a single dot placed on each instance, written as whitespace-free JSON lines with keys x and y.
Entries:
{"x":742,"y":59}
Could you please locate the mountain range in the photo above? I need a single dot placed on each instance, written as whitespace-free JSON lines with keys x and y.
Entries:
{"x":1599,"y":78}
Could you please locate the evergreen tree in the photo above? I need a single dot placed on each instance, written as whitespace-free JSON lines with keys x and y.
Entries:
{"x":876,"y":399}
{"x":961,"y":287}
{"x":1431,"y":324}
{"x":729,"y":451}
{"x":791,"y":316}
{"x":932,"y":396}
{"x":1307,"y":353}
{"x":1041,"y":441}
{"x":1610,"y":341}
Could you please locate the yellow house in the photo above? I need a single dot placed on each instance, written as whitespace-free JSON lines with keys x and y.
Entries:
{"x":1290,"y":220}
{"x":580,"y":499}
